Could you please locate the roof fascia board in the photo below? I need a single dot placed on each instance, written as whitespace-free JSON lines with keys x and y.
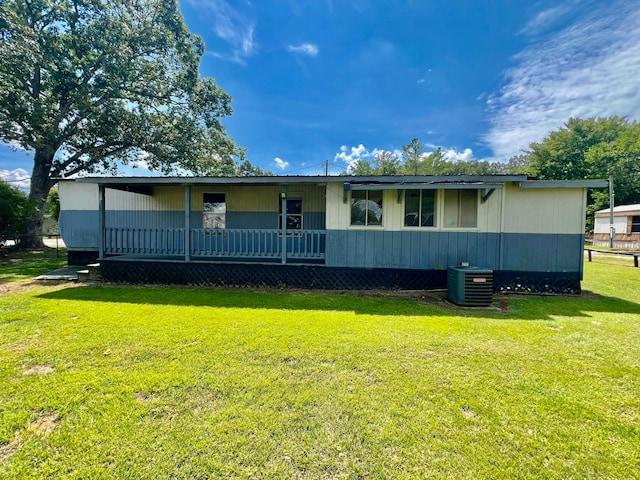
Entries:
{"x":423,"y":186}
{"x":564,"y":184}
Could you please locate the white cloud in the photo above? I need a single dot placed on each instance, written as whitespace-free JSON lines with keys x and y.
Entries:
{"x":232,"y":25}
{"x":305,"y":49}
{"x":588,"y":69}
{"x":281,"y":164}
{"x":454,"y":155}
{"x":545,"y":19}
{"x":351,"y":155}
{"x":17,"y":178}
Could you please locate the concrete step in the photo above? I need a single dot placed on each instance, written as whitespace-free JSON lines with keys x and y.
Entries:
{"x":83,"y":275}
{"x":90,"y":274}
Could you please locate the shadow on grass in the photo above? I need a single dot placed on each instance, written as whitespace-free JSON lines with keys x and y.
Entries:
{"x":384,"y":303}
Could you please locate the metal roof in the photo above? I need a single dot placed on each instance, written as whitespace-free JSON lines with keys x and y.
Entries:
{"x":284,"y":179}
{"x":622,"y":208}
{"x":376,"y":181}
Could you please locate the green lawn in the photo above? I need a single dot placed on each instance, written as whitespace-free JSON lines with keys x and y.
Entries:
{"x":114,"y":382}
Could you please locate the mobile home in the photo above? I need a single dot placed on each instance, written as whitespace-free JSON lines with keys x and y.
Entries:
{"x":330,"y":232}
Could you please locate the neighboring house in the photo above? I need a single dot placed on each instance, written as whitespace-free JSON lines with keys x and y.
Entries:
{"x":329,"y":232}
{"x":626,"y":223}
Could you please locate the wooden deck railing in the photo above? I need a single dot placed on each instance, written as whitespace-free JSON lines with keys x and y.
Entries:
{"x":144,"y":241}
{"x":217,"y":243}
{"x":235,"y":243}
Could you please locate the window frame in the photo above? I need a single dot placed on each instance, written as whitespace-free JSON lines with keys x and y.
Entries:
{"x":635,"y":224}
{"x":212,"y":213}
{"x":446,"y":203}
{"x":366,"y":201}
{"x":434,"y":210}
{"x":291,"y":215}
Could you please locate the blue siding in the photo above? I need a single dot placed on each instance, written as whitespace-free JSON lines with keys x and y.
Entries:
{"x":542,"y":252}
{"x":438,"y":250}
{"x":244,"y":220}
{"x":79,"y":229}
{"x":144,"y":219}
{"x":310,"y":220}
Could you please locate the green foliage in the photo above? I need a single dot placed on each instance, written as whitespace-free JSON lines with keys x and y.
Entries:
{"x":53,"y":204}
{"x":106,"y":81}
{"x":561,"y":155}
{"x":593,"y":149}
{"x":412,"y":156}
{"x":13,"y":203}
{"x":363,"y":168}
{"x":415,"y":161}
{"x":386,"y":163}
{"x":90,"y":85}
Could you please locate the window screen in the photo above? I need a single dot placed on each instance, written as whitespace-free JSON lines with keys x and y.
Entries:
{"x":461,"y":208}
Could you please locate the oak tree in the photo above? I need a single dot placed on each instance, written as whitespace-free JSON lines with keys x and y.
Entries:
{"x":89,"y":85}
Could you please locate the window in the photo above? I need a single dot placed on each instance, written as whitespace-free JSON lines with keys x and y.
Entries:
{"x":460,"y":208}
{"x":635,"y":224}
{"x":294,"y":214}
{"x":366,"y":207}
{"x":419,"y":208}
{"x":214,"y":210}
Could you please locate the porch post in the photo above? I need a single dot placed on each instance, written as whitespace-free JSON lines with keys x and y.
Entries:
{"x":283,"y":230}
{"x":187,"y":223}
{"x":101,"y":223}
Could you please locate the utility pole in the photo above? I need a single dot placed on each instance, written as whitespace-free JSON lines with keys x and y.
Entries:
{"x":612,"y":230}
{"x":326,"y":168}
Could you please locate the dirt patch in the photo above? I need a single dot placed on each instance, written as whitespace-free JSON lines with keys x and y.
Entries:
{"x":147,"y":397}
{"x":43,"y":426}
{"x":23,"y":287}
{"x":8,"y":450}
{"x":39,"y":370}
{"x":468,"y":412}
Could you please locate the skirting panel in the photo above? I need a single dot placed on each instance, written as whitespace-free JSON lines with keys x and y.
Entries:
{"x":244,"y":275}
{"x":537,"y":282}
{"x":321,"y":277}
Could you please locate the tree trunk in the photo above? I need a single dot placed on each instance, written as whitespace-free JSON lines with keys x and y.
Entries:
{"x":40,"y":186}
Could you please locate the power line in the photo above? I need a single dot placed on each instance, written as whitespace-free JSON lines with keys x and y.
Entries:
{"x":5,"y":179}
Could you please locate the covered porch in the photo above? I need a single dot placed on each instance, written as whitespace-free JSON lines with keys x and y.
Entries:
{"x":207,"y":229}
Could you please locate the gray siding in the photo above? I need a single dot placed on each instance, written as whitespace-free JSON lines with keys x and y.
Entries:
{"x":79,"y":229}
{"x":438,"y":250}
{"x":539,"y":252}
{"x":310,"y":220}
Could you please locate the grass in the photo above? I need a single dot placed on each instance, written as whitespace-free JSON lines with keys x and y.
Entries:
{"x":20,"y":266}
{"x":115,"y":382}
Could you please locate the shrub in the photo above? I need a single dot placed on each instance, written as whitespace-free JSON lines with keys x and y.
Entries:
{"x":13,"y":210}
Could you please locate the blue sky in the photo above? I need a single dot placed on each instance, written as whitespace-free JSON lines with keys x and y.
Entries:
{"x":333,"y":80}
